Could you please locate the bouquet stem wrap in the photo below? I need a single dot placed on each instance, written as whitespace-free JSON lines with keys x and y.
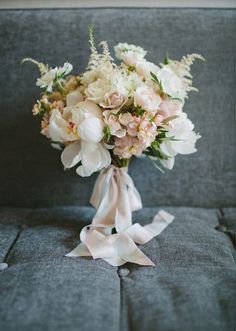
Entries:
{"x":115,"y":198}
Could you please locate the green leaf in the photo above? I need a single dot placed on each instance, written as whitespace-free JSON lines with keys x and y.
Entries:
{"x":107,"y":133}
{"x":167,"y":60}
{"x":170,"y":118}
{"x":140,"y":111}
{"x":156,"y":80}
{"x":155,"y":165}
{"x":173,"y":98}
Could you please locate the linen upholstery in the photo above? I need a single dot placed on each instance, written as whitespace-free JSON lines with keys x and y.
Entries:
{"x":53,"y":36}
{"x":191,"y":287}
{"x":43,"y":209}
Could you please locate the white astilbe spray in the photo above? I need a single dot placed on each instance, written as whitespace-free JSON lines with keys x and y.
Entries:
{"x":105,"y":56}
{"x":182,"y":69}
{"x":43,"y":68}
{"x":97,"y":59}
{"x":94,"y":56}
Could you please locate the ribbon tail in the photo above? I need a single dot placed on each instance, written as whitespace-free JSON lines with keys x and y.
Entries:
{"x":80,"y":250}
{"x":143,"y":234}
{"x":161,"y":220}
{"x":129,"y":252}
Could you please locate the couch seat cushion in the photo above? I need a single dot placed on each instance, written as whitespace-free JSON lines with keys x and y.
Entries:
{"x":190,"y":288}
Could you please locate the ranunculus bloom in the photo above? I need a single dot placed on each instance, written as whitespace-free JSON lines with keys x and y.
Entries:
{"x":182,"y":131}
{"x":146,"y":98}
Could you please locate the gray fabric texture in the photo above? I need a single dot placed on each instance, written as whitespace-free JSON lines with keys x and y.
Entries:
{"x":192,"y":286}
{"x":31,"y":173}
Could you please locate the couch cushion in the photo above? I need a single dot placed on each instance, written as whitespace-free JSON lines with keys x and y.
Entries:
{"x":10,"y":228}
{"x":31,"y":173}
{"x":228,"y":223}
{"x":191,"y":287}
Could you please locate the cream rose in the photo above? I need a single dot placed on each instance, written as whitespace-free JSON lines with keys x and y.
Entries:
{"x":96,"y":90}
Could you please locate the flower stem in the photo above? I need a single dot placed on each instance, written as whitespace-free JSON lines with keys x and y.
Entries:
{"x":120,"y":163}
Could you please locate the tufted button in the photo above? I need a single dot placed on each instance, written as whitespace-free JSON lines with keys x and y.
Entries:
{"x":123,"y":272}
{"x":221,"y":228}
{"x":3,"y":266}
{"x":24,"y":226}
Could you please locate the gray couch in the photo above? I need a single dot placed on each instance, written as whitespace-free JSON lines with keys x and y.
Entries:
{"x":43,"y":208}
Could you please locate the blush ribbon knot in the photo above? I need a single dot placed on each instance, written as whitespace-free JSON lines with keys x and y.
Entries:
{"x":115,"y":197}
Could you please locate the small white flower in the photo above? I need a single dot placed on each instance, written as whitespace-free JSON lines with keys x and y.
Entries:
{"x":47,"y":80}
{"x":53,"y":76}
{"x":65,"y":70}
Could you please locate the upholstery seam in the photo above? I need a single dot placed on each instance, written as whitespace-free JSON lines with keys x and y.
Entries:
{"x":232,"y":248}
{"x":20,"y":230}
{"x":222,"y":214}
{"x":12,"y":245}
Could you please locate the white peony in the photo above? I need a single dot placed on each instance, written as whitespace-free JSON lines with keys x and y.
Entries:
{"x":93,"y":157}
{"x":171,"y":83}
{"x":61,"y":128}
{"x":81,"y":124}
{"x":181,"y":129}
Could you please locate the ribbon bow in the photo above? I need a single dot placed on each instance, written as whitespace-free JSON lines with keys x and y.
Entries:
{"x":115,"y":197}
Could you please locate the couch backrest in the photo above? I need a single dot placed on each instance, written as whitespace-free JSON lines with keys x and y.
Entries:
{"x":31,"y":173}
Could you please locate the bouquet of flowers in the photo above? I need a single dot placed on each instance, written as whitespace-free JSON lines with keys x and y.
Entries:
{"x":103,"y":118}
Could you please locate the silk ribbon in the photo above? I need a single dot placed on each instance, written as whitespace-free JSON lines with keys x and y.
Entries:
{"x":115,"y":197}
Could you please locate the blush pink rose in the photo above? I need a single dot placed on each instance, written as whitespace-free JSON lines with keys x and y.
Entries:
{"x":167,"y":109}
{"x":113,"y":100}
